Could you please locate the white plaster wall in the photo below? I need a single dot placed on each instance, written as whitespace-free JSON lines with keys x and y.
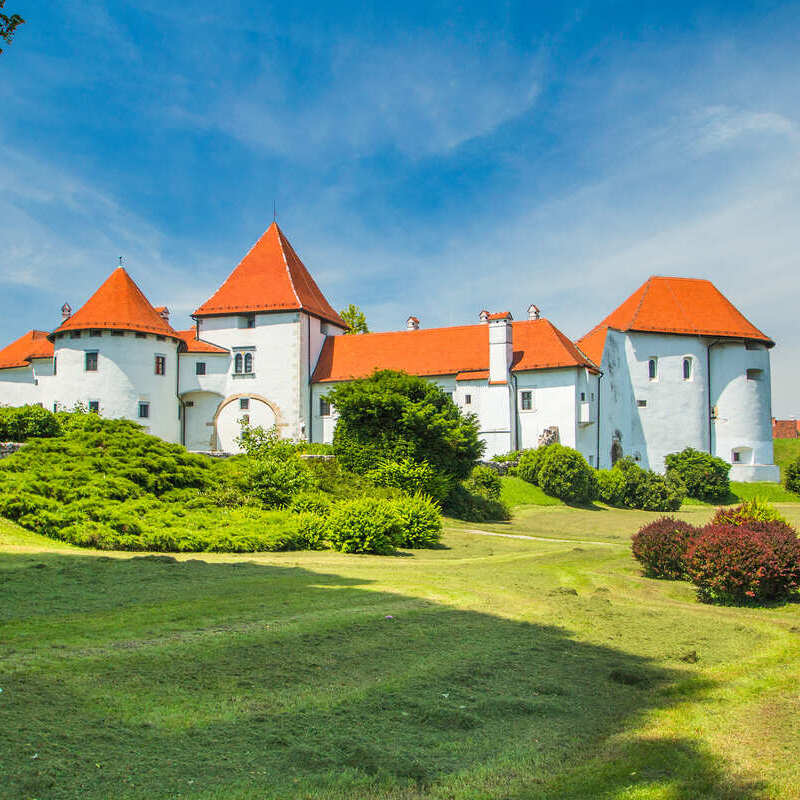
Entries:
{"x":216,"y":377}
{"x":743,"y":407}
{"x":554,"y":403}
{"x":198,"y":421}
{"x":229,"y":422}
{"x":322,"y":427}
{"x":125,"y":377}
{"x":18,"y":387}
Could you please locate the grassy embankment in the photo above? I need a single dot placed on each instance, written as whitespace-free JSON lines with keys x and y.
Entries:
{"x":494,"y":667}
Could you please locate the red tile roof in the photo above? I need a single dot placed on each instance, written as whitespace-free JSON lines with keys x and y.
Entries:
{"x":477,"y":375}
{"x":785,"y":428}
{"x":594,"y":343}
{"x":500,"y":315}
{"x":34,"y":344}
{"x":271,"y":277}
{"x":118,"y":305}
{"x":195,"y":345}
{"x":538,"y":344}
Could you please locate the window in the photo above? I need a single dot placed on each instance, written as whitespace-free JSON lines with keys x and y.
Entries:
{"x":641,"y":403}
{"x":55,"y":407}
{"x":755,"y":374}
{"x":687,"y":369}
{"x":248,"y":363}
{"x":160,"y":338}
{"x":200,"y":368}
{"x":324,"y":407}
{"x":161,"y":365}
{"x":526,"y":400}
{"x":244,"y":403}
{"x":144,"y":410}
{"x":55,"y":365}
{"x":753,"y":346}
{"x":583,"y":396}
{"x":94,"y":406}
{"x":467,"y":399}
{"x":652,"y":369}
{"x":90,"y":361}
{"x":245,"y":420}
{"x":237,"y":363}
{"x":592,"y":396}
{"x":249,"y":321}
{"x":737,"y":457}
{"x":117,"y":333}
{"x":95,"y":332}
{"x":75,"y":335}
{"x":591,"y":460}
{"x":141,"y":335}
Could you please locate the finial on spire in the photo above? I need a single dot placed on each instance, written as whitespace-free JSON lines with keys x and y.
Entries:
{"x":120,"y":260}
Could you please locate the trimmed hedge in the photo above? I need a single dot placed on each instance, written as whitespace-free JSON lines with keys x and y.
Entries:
{"x":529,"y":463}
{"x":564,"y":473}
{"x":704,"y":476}
{"x":661,"y":546}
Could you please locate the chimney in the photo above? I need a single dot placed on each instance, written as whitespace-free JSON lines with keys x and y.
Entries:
{"x":533,"y":312}
{"x":501,"y":346}
{"x":163,"y":312}
{"x":484,"y":317}
{"x":66,"y":312}
{"x":412,"y":324}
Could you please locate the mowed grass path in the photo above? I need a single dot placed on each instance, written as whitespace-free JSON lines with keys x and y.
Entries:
{"x":494,"y":667}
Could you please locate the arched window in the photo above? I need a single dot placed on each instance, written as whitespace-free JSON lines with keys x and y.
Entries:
{"x":652,"y":368}
{"x":687,"y":369}
{"x":237,"y":364}
{"x":248,"y":362}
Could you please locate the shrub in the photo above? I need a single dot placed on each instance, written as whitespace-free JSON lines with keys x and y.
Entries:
{"x":420,"y":521}
{"x":310,"y":503}
{"x":791,"y":477}
{"x":611,"y":486}
{"x":660,"y":547}
{"x":392,"y":415}
{"x":463,"y":504}
{"x":634,"y":487}
{"x":704,"y":476}
{"x":484,"y":482}
{"x":511,"y":456}
{"x":755,"y":510}
{"x":530,"y":462}
{"x":410,"y":477}
{"x":564,"y":473}
{"x":756,"y":562}
{"x":275,"y":481}
{"x":364,"y":525}
{"x":312,"y":531}
{"x":18,"y":424}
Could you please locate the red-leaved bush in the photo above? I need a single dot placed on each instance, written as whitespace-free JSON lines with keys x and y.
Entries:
{"x":737,"y":563}
{"x":661,"y":547}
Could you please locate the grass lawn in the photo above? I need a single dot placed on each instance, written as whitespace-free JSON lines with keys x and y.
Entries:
{"x":786,"y":450}
{"x":509,"y":668}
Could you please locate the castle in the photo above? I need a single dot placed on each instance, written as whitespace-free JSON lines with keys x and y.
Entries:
{"x":675,"y":365}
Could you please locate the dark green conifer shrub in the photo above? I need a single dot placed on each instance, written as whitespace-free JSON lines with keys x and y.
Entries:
{"x":704,"y":476}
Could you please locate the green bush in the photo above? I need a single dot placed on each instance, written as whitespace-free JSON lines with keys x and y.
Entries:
{"x":530,"y":463}
{"x":463,"y":504}
{"x":627,"y":485}
{"x":755,"y":510}
{"x":310,"y":503}
{"x":611,"y":487}
{"x":364,"y":525}
{"x":484,"y":482}
{"x":18,"y":424}
{"x":420,"y":521}
{"x":791,"y":479}
{"x":275,"y":481}
{"x":704,"y":476}
{"x":410,"y":477}
{"x":392,"y":416}
{"x":312,"y":531}
{"x":512,"y":455}
{"x":564,"y":473}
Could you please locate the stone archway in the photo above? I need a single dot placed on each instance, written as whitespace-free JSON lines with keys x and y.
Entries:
{"x":227,"y":419}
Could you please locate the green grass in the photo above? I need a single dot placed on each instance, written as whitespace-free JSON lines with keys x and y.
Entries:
{"x":494,"y":667}
{"x":771,"y":492}
{"x":786,"y":450}
{"x":517,"y":492}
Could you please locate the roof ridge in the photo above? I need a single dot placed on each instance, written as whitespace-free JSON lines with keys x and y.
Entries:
{"x":679,"y":305}
{"x":641,"y":299}
{"x":282,"y":243}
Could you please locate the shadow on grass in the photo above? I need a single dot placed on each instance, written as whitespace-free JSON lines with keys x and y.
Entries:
{"x":153,"y":678}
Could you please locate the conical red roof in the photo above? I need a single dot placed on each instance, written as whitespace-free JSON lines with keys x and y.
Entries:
{"x":119,"y":305}
{"x":34,"y":344}
{"x":675,"y":305}
{"x":271,"y":277}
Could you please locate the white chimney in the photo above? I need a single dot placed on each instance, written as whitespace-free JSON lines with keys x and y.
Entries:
{"x":533,"y":312}
{"x":501,"y":346}
{"x":163,"y":312}
{"x":484,"y":317}
{"x":66,"y":312}
{"x":412,"y":324}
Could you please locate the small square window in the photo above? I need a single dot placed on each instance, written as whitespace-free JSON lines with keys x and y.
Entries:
{"x":526,"y":401}
{"x":467,"y":399}
{"x":95,"y":332}
{"x":244,"y":403}
{"x":324,"y":407}
{"x":641,"y":403}
{"x":200,"y":368}
{"x":160,"y":338}
{"x":161,"y":365}
{"x":141,"y":335}
{"x":117,"y":333}
{"x":755,"y":374}
{"x":90,"y":361}
{"x":144,"y":410}
{"x":737,"y":456}
{"x":94,"y":406}
{"x":75,"y":335}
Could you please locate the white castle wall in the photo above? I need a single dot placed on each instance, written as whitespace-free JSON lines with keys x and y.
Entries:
{"x":18,"y":387}
{"x":125,"y":377}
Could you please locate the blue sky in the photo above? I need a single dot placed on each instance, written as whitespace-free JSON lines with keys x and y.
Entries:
{"x":427,"y":158}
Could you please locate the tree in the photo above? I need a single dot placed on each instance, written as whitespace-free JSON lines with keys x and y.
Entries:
{"x":393,"y":415}
{"x":8,"y":24}
{"x":355,"y":318}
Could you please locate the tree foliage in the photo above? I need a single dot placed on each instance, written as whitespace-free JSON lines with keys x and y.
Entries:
{"x":8,"y":25}
{"x":355,"y":319}
{"x":393,"y":415}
